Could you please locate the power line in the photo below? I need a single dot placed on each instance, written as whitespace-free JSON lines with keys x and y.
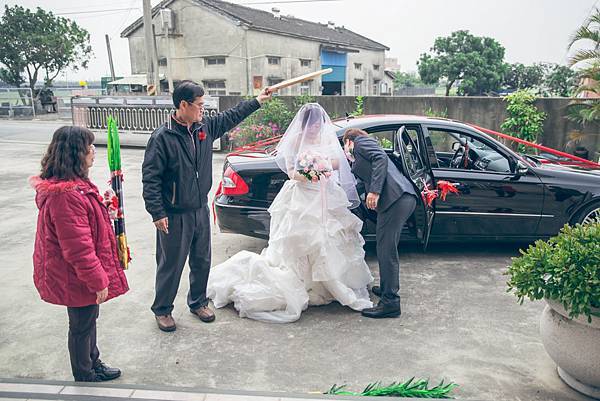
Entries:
{"x":287,"y":2}
{"x":99,"y":11}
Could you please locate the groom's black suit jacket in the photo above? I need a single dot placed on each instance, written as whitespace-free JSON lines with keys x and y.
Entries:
{"x":378,"y":175}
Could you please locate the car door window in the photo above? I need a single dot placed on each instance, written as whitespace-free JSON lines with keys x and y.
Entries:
{"x":450,"y":146}
{"x":411,"y":152}
{"x":384,"y":137}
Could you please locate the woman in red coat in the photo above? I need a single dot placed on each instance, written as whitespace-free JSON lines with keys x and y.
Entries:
{"x":75,"y":257}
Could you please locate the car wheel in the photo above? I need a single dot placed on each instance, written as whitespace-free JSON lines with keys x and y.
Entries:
{"x":589,"y":214}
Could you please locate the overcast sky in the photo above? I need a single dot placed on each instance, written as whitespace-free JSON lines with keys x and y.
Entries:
{"x":530,"y":30}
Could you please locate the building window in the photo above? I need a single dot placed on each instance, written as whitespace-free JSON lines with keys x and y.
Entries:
{"x":215,"y":88}
{"x":376,"y":67}
{"x":274,"y":60}
{"x":358,"y":66}
{"x":358,"y":87}
{"x":162,"y":62}
{"x":305,"y":88}
{"x":215,"y":61}
{"x":305,"y":63}
{"x":376,"y":84}
{"x":274,"y":81}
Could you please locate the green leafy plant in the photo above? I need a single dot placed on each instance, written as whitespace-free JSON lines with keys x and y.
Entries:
{"x":271,"y":119}
{"x":565,"y":268}
{"x":524,"y":120}
{"x":301,"y":100}
{"x":410,"y":388}
{"x":359,"y":110}
{"x":429,"y":112}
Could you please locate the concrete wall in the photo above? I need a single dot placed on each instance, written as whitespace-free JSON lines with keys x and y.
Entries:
{"x":484,"y":111}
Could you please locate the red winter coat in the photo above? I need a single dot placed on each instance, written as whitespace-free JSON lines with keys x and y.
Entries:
{"x":75,"y":252}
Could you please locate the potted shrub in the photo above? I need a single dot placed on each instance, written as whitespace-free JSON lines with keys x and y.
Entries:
{"x":565,"y":272}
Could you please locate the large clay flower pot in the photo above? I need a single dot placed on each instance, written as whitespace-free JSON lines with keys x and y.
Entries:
{"x":574,"y":344}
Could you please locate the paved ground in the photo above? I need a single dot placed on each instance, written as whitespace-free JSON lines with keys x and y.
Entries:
{"x":458,"y":323}
{"x":34,"y":390}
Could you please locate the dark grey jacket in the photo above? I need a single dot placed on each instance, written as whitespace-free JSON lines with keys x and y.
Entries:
{"x":177,"y":167}
{"x":378,"y":175}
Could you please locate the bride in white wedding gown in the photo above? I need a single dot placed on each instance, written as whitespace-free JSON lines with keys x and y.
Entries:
{"x":315,"y":253}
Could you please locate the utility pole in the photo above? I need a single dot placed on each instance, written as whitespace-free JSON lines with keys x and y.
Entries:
{"x":110,"y":60}
{"x":149,"y":41}
{"x":166,"y":17}
{"x":155,"y":61}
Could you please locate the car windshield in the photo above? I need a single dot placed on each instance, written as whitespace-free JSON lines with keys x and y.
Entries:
{"x":532,"y":160}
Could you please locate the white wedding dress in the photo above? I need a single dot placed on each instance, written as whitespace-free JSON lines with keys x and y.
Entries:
{"x":315,"y":253}
{"x":315,"y":256}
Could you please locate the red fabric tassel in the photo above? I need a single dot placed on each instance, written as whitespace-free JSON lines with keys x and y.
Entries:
{"x":446,"y":187}
{"x":428,"y":195}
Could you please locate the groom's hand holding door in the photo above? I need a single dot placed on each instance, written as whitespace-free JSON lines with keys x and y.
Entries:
{"x":372,"y":199}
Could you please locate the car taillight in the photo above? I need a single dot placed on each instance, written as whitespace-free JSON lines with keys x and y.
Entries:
{"x":233,"y":183}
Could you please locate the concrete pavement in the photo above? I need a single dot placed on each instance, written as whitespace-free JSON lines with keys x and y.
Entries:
{"x":458,"y":323}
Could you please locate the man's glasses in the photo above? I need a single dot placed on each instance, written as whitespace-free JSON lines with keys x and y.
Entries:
{"x":198,"y":105}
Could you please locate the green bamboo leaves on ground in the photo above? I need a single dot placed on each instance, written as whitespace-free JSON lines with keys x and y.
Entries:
{"x":410,"y":388}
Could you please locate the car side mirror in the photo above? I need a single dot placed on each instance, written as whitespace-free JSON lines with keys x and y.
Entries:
{"x":521,"y":168}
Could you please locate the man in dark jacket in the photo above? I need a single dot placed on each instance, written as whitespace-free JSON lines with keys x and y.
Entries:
{"x":176,"y":177}
{"x":391,"y":194}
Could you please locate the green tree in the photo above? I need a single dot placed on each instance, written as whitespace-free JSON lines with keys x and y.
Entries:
{"x":560,"y":80}
{"x":520,"y":76}
{"x":39,"y":44}
{"x":589,"y":32}
{"x":474,"y":63}
{"x":586,"y":109}
{"x":544,"y":79}
{"x":407,"y":80}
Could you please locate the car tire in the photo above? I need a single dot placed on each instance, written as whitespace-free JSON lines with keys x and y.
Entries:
{"x":589,"y":214}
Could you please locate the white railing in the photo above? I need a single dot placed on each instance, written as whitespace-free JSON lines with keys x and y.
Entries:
{"x":140,"y":114}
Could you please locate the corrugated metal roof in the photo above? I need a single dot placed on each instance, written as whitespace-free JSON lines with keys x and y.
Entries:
{"x":284,"y":25}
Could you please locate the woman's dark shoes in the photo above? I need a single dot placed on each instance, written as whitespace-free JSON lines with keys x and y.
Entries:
{"x":382,"y":311}
{"x":105,"y":373}
{"x":376,"y":290}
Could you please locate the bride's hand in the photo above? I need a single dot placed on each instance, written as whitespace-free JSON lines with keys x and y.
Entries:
{"x":299,"y":177}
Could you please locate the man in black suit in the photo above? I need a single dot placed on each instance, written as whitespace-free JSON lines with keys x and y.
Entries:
{"x":392,"y":195}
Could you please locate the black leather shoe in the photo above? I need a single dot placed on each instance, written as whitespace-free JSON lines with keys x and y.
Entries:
{"x":376,"y":290}
{"x":382,"y":311}
{"x":105,"y":373}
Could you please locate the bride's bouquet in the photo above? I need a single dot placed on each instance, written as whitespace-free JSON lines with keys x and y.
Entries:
{"x":314,"y":166}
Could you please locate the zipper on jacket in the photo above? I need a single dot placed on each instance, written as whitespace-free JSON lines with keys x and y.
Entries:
{"x":174,"y":189}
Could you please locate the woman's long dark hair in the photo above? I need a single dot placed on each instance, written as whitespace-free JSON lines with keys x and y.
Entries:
{"x":66,"y":154}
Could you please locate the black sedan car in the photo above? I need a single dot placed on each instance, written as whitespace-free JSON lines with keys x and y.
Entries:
{"x":503,"y":195}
